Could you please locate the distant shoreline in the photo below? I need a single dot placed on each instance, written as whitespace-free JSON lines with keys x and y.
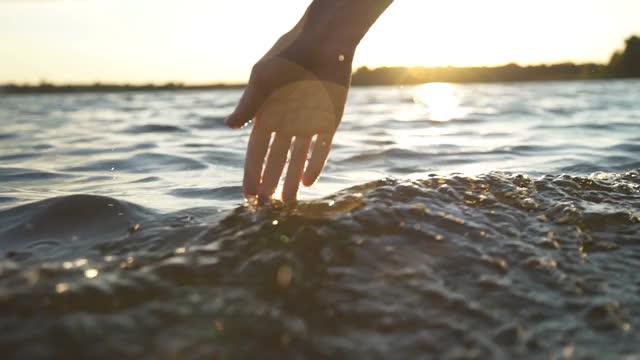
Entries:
{"x":623,"y":64}
{"x":47,"y":88}
{"x":359,"y":81}
{"x":362,"y":77}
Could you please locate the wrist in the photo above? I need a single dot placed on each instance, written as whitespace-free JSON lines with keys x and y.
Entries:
{"x":321,"y":50}
{"x":340,"y":23}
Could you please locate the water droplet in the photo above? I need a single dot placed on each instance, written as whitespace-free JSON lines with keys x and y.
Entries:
{"x":284,"y":276}
{"x":341,"y":58}
{"x":32,"y":277}
{"x":274,"y":222}
{"x":128,"y":263}
{"x":218,"y":325}
{"x":543,"y":262}
{"x":91,"y":273}
{"x":285,"y":339}
{"x":80,"y":262}
{"x":62,"y":288}
{"x":181,"y":250}
{"x":134,"y":229}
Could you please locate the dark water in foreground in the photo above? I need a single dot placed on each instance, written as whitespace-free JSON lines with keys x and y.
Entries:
{"x":506,"y":223}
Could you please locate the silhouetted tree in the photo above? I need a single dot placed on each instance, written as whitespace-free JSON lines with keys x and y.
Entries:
{"x":627,"y":63}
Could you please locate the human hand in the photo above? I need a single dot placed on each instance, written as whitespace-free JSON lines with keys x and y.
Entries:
{"x":296,"y":94}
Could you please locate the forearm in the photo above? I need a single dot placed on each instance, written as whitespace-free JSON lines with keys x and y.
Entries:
{"x":332,"y":27}
{"x":340,"y":22}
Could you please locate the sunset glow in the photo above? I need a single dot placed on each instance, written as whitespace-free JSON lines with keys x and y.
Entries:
{"x":198,"y":41}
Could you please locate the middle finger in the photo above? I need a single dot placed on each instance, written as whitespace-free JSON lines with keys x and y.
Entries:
{"x":275,"y":163}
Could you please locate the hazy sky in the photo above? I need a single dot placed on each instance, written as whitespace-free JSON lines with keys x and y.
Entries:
{"x":200,"y":41}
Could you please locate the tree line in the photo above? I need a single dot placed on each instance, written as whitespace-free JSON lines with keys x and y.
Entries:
{"x":623,"y":64}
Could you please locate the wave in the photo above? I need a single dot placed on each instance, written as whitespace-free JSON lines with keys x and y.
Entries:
{"x":609,"y":125}
{"x":435,"y":154}
{"x":209,"y":122}
{"x":154,"y":128}
{"x":499,"y":265}
{"x":142,"y":163}
{"x":220,"y":193}
{"x":11,"y":174}
{"x":112,"y":150}
{"x":67,"y":222}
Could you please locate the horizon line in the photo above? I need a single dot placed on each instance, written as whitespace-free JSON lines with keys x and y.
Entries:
{"x":214,"y":83}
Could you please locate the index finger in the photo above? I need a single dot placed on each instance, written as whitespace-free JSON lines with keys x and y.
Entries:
{"x":256,"y":151}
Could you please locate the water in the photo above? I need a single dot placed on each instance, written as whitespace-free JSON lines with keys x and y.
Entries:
{"x":453,"y":221}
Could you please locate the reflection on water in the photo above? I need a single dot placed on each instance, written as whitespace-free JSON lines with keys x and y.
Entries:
{"x":494,"y":266}
{"x":123,"y":235}
{"x":170,"y":150}
{"x":440,"y":100}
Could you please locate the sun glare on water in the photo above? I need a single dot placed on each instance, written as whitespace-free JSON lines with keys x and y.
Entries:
{"x":440,"y":100}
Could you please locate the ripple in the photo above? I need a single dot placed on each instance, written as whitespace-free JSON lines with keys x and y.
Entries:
{"x":8,"y":199}
{"x":539,"y":264}
{"x":381,"y":155}
{"x":613,"y":125}
{"x":219,"y":193}
{"x":613,"y":164}
{"x":210,"y":122}
{"x":22,"y":156}
{"x":19,"y":175}
{"x":627,"y":147}
{"x":154,"y":128}
{"x":142,"y":163}
{"x":110,"y":150}
{"x":75,"y":216}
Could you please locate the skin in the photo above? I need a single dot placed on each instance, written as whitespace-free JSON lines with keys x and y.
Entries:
{"x":297,"y":94}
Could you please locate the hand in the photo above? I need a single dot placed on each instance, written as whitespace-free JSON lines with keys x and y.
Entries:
{"x":297,"y":94}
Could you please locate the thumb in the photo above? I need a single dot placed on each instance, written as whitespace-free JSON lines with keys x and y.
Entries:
{"x":246,"y":109}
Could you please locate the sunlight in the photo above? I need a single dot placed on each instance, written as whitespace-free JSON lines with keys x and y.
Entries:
{"x":200,"y":41}
{"x":440,"y":100}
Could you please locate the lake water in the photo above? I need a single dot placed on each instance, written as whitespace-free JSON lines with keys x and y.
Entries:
{"x":452,"y":221}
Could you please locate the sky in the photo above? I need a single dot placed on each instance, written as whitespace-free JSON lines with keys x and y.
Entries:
{"x":211,"y":41}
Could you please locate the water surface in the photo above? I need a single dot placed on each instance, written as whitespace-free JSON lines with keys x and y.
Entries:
{"x":452,"y":221}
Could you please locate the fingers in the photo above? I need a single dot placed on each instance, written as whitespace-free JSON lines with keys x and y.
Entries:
{"x":273,"y":168}
{"x":246,"y":109}
{"x":318,"y":159}
{"x":296,"y":168}
{"x":256,"y":151}
{"x":264,"y":183}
